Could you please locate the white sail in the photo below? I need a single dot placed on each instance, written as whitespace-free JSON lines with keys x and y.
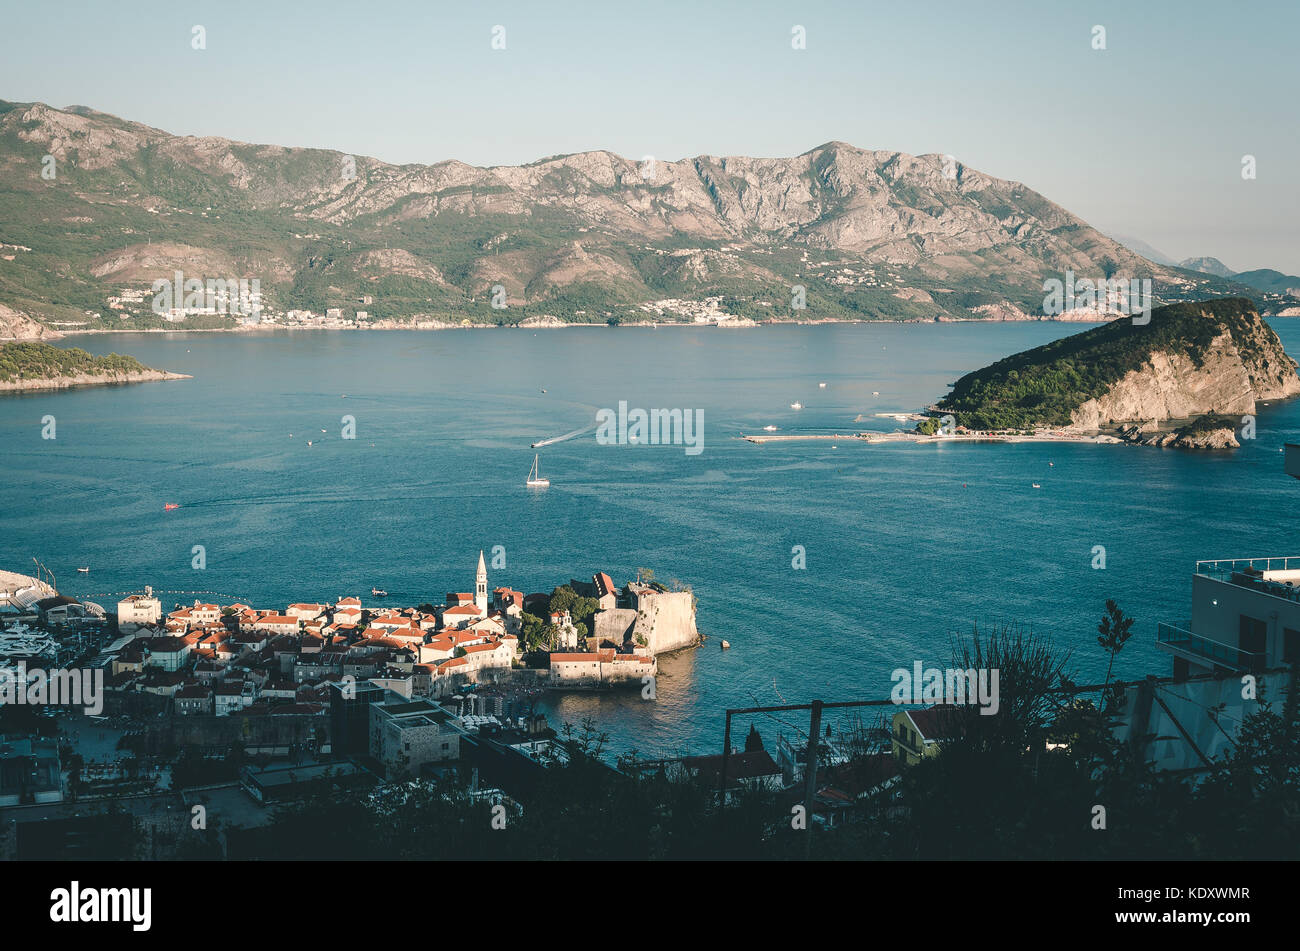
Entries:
{"x":534,"y":476}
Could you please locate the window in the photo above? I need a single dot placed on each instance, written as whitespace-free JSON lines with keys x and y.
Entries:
{"x":1252,"y":638}
{"x":1290,"y":646}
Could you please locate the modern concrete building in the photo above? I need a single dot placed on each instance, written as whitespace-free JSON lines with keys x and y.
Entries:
{"x":1245,"y":618}
{"x":350,"y":703}
{"x":407,"y":735}
{"x":29,"y":771}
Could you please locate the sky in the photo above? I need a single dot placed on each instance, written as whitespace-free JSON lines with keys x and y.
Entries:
{"x":1145,"y":138}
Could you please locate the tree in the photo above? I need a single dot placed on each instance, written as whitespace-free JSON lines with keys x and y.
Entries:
{"x":534,"y":631}
{"x":1113,"y":634}
{"x":562,"y":599}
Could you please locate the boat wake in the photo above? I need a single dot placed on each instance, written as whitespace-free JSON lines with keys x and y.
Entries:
{"x":572,"y":435}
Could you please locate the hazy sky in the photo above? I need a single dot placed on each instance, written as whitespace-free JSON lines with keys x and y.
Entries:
{"x":1143,"y":139}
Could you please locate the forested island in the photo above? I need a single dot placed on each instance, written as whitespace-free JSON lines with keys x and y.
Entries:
{"x":1190,"y":377}
{"x":39,"y":366}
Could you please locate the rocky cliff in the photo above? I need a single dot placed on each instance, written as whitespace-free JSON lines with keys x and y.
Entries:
{"x":1243,"y":362}
{"x":88,"y":379}
{"x":1190,"y":360}
{"x":18,"y":326}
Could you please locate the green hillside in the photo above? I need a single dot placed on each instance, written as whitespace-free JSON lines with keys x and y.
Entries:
{"x":1044,"y":386}
{"x":40,"y":361}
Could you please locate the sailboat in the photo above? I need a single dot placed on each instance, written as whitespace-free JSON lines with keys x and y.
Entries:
{"x":535,"y":480}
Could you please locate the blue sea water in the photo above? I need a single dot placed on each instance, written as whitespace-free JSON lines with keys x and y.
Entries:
{"x":907,"y":546}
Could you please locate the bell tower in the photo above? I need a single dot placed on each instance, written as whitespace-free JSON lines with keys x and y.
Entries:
{"x":480,"y":586}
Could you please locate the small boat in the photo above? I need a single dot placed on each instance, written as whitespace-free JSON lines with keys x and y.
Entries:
{"x":1051,"y":465}
{"x":84,"y":571}
{"x":726,"y":645}
{"x":1037,"y":486}
{"x":821,"y":386}
{"x":796,"y":405}
{"x":322,"y":430}
{"x":535,"y":480}
{"x":309,"y":442}
{"x":875,"y":392}
{"x":171,"y":505}
{"x":769,"y":429}
{"x":378,"y":593}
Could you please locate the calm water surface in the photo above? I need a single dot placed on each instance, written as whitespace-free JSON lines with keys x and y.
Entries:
{"x":906,"y":545}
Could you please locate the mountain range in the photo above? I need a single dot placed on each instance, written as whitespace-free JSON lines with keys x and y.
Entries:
{"x":1262,"y":279}
{"x":94,"y":208}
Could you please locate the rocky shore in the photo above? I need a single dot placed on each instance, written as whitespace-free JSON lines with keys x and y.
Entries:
{"x":88,"y":379}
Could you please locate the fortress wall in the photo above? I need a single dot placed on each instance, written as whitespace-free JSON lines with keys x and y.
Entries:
{"x":667,"y":621}
{"x":613,"y":625}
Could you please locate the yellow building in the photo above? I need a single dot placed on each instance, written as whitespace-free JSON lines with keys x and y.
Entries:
{"x":917,"y":732}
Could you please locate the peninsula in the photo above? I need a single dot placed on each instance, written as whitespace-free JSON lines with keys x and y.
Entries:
{"x":1191,"y":377}
{"x":40,"y":366}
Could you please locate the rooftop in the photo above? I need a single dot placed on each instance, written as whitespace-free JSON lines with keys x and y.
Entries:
{"x":1278,"y":576}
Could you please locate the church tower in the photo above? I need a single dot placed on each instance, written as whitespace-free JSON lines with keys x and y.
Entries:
{"x":480,"y":587}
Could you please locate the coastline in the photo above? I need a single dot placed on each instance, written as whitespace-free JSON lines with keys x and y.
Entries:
{"x":438,"y":325}
{"x":906,"y":437}
{"x":89,"y":379}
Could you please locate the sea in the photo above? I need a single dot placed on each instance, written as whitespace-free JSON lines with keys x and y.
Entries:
{"x":826,"y":565}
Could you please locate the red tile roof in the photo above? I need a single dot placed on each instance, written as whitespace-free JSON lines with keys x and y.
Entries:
{"x":937,"y":722}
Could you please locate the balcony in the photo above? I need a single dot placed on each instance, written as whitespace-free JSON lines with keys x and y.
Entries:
{"x":1206,"y":651}
{"x":905,"y":744}
{"x":1277,"y":576}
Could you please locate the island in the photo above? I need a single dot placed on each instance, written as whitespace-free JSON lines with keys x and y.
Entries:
{"x":40,"y":366}
{"x":1190,"y":377}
